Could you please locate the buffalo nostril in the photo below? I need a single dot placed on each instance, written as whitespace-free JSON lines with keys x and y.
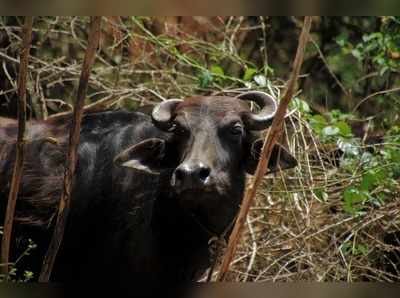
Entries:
{"x":179,"y":175}
{"x":190,"y":176}
{"x":203,"y":173}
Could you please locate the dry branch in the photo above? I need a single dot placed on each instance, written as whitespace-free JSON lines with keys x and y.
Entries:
{"x":396,"y":89}
{"x":63,"y":208}
{"x":97,"y":106}
{"x":269,"y":142}
{"x":19,"y":160}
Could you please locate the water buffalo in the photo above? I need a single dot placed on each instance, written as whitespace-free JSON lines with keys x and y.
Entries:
{"x":149,"y":190}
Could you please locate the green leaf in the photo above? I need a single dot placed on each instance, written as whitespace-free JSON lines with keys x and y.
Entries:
{"x":371,"y":179}
{"x":369,"y":37}
{"x":342,"y":39}
{"x":367,"y":182}
{"x":249,"y":74}
{"x":348,"y":148}
{"x":318,"y":119}
{"x":321,"y":194}
{"x":354,"y":195}
{"x":354,"y":249}
{"x":351,"y":197}
{"x":345,"y":248}
{"x":28,"y":275}
{"x":360,"y":249}
{"x":357,"y":53}
{"x":330,"y":131}
{"x":301,"y":105}
{"x":344,"y":128}
{"x":366,"y":158}
{"x":260,"y":80}
{"x":216,"y":69}
{"x":205,"y":79}
{"x":318,"y":122}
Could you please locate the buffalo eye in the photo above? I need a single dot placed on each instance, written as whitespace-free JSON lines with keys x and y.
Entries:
{"x":178,"y":129}
{"x":236,"y":129}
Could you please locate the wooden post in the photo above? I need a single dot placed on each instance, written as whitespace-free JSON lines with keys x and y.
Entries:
{"x":63,"y":209}
{"x":269,"y":142}
{"x":19,"y":159}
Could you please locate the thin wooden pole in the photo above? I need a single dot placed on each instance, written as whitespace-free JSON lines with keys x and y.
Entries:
{"x":19,"y":159}
{"x":269,"y":142}
{"x":63,"y":209}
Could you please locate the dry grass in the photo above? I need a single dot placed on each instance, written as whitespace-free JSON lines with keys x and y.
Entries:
{"x":294,"y":235}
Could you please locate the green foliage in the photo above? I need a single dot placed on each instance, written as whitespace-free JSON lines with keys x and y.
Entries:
{"x":361,"y":57}
{"x":378,"y":178}
{"x":14,"y":274}
{"x":350,"y":248}
{"x":301,"y":105}
{"x":382,"y":48}
{"x":332,"y":127}
{"x":205,"y":79}
{"x":249,"y":74}
{"x":375,"y":168}
{"x":321,"y":194}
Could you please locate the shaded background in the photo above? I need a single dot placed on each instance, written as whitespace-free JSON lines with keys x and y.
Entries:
{"x":349,"y":59}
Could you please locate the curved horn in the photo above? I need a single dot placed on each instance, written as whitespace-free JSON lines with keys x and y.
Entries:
{"x":162,"y":113}
{"x":264,"y":118}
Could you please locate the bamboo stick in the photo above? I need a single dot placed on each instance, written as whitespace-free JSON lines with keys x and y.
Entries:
{"x":269,"y":142}
{"x":20,"y":146}
{"x":74,"y":136}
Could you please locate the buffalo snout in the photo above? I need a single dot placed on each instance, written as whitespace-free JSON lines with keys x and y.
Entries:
{"x":191,"y":176}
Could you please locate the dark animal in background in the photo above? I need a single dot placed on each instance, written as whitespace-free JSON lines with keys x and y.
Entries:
{"x":149,"y":192}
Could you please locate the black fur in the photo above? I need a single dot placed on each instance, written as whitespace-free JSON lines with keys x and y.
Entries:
{"x":125,"y":225}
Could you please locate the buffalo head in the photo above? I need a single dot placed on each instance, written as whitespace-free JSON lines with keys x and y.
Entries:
{"x":213,"y":141}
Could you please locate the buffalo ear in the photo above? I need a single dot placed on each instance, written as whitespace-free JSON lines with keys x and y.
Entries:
{"x":280,"y":158}
{"x":145,"y":156}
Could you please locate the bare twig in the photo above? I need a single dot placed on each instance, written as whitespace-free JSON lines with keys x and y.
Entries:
{"x":63,"y":210}
{"x":269,"y":142}
{"x":19,"y":160}
{"x":97,"y":106}
{"x":373,"y":95}
{"x":321,"y":56}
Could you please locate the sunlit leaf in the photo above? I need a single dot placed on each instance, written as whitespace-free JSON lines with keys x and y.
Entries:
{"x":249,"y":74}
{"x":330,"y":131}
{"x":344,"y":128}
{"x":260,"y":80}
{"x":216,"y":69}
